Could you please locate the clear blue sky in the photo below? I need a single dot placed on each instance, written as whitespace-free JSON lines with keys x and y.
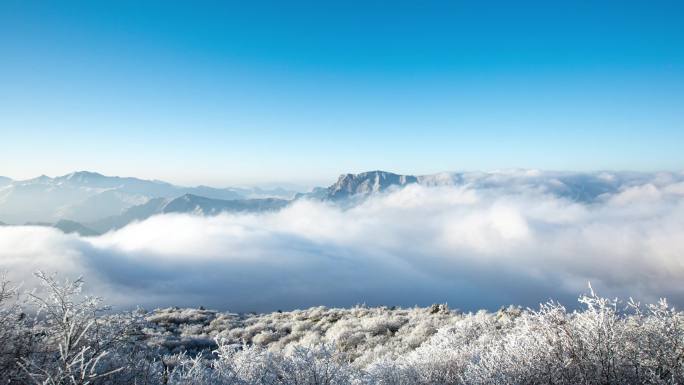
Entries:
{"x":247,"y":92}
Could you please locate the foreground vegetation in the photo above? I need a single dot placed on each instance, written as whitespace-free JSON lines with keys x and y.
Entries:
{"x":56,"y":335}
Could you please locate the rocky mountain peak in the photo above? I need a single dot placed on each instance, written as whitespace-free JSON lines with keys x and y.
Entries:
{"x":366,"y":183}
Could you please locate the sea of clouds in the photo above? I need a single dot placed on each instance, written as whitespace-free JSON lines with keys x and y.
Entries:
{"x":469,"y":246}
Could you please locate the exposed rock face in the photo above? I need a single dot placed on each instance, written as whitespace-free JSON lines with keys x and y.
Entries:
{"x":367,"y":183}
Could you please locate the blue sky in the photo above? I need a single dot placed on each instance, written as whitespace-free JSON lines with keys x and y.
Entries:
{"x":250,"y":92}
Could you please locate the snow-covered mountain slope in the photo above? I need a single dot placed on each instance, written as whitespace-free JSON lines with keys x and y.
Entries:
{"x":4,"y":181}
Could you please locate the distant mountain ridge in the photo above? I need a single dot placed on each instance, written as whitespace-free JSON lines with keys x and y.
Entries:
{"x":585,"y":187}
{"x":89,"y":196}
{"x":206,"y":206}
{"x":90,"y":203}
{"x":188,"y":204}
{"x":581,"y":187}
{"x":67,"y":227}
{"x":135,"y":213}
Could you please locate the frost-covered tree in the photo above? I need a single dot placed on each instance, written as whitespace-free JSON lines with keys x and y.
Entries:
{"x":72,"y":342}
{"x":16,"y":339}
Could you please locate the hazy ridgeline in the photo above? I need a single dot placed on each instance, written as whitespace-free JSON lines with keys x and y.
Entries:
{"x":56,"y":335}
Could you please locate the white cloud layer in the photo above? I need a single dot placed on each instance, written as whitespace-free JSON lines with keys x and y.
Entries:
{"x":468,"y":246}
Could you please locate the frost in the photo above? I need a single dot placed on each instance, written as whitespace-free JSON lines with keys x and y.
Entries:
{"x":56,"y":335}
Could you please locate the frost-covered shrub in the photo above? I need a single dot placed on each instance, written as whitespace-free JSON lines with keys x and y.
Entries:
{"x":59,"y":336}
{"x":252,"y":365}
{"x":600,"y":344}
{"x":322,"y":365}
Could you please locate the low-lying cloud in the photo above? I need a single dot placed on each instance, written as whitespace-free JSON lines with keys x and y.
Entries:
{"x":469,"y":246}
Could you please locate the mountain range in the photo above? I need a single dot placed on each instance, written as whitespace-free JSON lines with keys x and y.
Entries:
{"x":90,"y":203}
{"x":88,"y":196}
{"x":187,"y":203}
